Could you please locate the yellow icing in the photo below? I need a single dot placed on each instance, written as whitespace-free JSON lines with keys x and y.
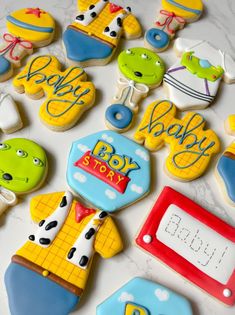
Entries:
{"x":53,"y":258}
{"x":192,"y":4}
{"x":231,"y":148}
{"x":135,"y":309}
{"x":231,"y":123}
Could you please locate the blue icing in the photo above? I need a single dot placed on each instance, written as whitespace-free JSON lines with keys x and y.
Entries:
{"x":157,"y":38}
{"x":125,"y":113}
{"x":29,"y":26}
{"x":5,"y":65}
{"x":102,"y":194}
{"x":25,"y":298}
{"x":81,"y":47}
{"x":183,"y":7}
{"x":155,"y":298}
{"x":204,"y":63}
{"x":226,"y":169}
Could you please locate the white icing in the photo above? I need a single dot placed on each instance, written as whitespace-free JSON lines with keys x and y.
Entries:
{"x":147,"y":238}
{"x":203,"y":247}
{"x":227,"y":293}
{"x":10,"y":120}
{"x":98,"y":7}
{"x":114,"y":26}
{"x":7,"y":198}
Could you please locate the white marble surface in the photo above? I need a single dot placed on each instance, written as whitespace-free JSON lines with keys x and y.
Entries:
{"x":217,"y":24}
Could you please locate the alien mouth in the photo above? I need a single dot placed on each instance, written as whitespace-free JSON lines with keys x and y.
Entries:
{"x":138,"y":73}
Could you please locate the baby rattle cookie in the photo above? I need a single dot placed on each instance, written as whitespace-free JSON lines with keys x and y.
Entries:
{"x":95,"y":34}
{"x":68,"y":93}
{"x":191,"y":147}
{"x":28,"y":28}
{"x":170,"y":19}
{"x":193,"y":242}
{"x":10,"y":120}
{"x":139,"y":70}
{"x":23,"y":168}
{"x":143,"y":297}
{"x":192,"y":83}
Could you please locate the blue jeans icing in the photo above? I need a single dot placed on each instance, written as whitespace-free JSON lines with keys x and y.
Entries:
{"x":32,"y":294}
{"x":5,"y":65}
{"x":152,"y":38}
{"x":226,"y":169}
{"x":118,"y":109}
{"x":81,"y":47}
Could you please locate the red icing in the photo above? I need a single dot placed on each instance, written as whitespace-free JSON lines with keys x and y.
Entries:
{"x":82,"y":212}
{"x":114,"y":8}
{"x":36,"y":11}
{"x":102,"y":171}
{"x":177,"y":262}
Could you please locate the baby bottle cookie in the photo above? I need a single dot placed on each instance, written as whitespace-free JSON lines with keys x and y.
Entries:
{"x":28,"y":28}
{"x":95,"y":34}
{"x":139,"y":70}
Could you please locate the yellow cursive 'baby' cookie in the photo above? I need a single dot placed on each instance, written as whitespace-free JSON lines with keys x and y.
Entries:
{"x":68,"y":93}
{"x":191,"y":147}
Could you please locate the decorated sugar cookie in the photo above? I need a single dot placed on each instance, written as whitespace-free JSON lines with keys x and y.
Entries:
{"x":10,"y":120}
{"x":68,"y":93}
{"x":144,"y":297}
{"x":23,"y":168}
{"x":140,"y":70}
{"x":28,"y":28}
{"x":193,"y":82}
{"x":193,"y":242}
{"x":191,"y":146}
{"x":95,"y":34}
{"x":109,"y":170}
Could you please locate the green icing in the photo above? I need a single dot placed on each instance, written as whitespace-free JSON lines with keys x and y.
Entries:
{"x":194,"y":65}
{"x":23,"y":165}
{"x":141,"y":65}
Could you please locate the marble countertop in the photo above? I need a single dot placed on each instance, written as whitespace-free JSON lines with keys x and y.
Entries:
{"x":216,"y":25}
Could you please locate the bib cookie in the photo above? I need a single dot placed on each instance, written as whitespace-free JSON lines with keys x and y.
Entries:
{"x":95,"y":34}
{"x":144,"y":297}
{"x":140,"y":70}
{"x":191,"y":147}
{"x":68,"y":93}
{"x":193,"y":82}
{"x":193,"y":242}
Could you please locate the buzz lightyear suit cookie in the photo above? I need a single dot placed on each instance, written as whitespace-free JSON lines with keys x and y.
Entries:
{"x":144,"y":297}
{"x":140,"y":70}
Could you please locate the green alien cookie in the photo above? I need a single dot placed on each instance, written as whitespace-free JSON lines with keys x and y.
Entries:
{"x":141,"y":69}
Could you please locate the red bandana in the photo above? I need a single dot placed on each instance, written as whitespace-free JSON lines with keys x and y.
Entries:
{"x":114,"y":8}
{"x":36,"y":11}
{"x":82,"y":212}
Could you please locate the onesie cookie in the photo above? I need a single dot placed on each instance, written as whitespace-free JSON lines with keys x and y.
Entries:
{"x":10,"y":120}
{"x":95,"y":34}
{"x":109,"y":170}
{"x":139,"y":70}
{"x":193,"y":82}
{"x":68,"y":93}
{"x":23,"y":168}
{"x":170,"y":19}
{"x":144,"y":297}
{"x":193,"y":242}
{"x":191,"y":146}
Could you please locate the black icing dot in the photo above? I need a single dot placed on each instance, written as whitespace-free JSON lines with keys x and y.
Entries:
{"x":32,"y":237}
{"x":93,"y":14}
{"x":71,"y":252}
{"x":51,"y":225}
{"x":83,"y":261}
{"x":41,"y":223}
{"x":80,"y":17}
{"x":128,"y":9}
{"x":138,"y":74}
{"x":113,"y":34}
{"x":91,"y":7}
{"x":119,"y":22}
{"x":44,"y":241}
{"x":7,"y":176}
{"x":90,"y":233}
{"x":103,"y":214}
{"x":63,"y":202}
{"x":106,"y":29}
{"x":105,"y":0}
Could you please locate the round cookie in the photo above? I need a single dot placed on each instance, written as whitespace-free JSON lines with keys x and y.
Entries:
{"x":190,"y":10}
{"x":32,"y":24}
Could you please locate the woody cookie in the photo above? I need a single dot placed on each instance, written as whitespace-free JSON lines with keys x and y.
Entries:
{"x":28,"y":28}
{"x":139,"y":71}
{"x":68,"y":93}
{"x":53,"y":266}
{"x":172,"y":17}
{"x":95,"y":34}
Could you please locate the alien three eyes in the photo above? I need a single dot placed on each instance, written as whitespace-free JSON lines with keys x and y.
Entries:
{"x":22,"y":154}
{"x":143,"y":56}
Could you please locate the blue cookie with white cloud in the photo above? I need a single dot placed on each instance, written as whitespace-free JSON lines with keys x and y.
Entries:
{"x":109,"y":170}
{"x":144,"y":297}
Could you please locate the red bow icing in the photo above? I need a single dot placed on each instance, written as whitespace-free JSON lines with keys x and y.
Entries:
{"x":82,"y":212}
{"x":114,"y":8}
{"x":12,"y":43}
{"x":36,"y":11}
{"x":170,"y":17}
